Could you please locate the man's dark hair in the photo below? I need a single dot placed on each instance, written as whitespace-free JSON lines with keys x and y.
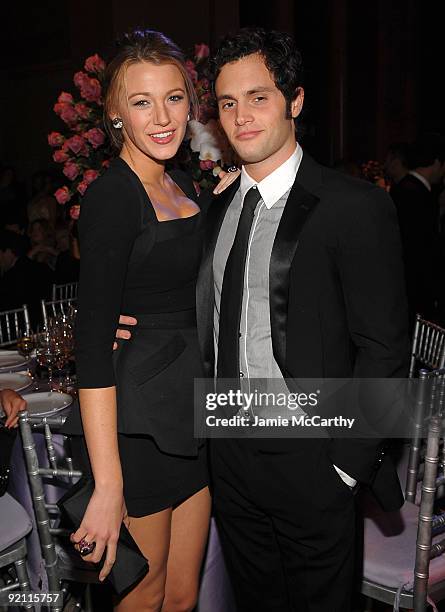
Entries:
{"x":400,"y":150}
{"x":278,"y":50}
{"x":425,"y":150}
{"x":10,"y":240}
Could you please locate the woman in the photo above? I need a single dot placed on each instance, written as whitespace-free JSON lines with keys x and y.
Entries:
{"x":140,"y":236}
{"x":42,"y":238}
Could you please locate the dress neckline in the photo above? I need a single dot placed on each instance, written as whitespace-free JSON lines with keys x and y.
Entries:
{"x":126,"y":166}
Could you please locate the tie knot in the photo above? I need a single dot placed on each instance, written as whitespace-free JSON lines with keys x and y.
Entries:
{"x":251,"y":199}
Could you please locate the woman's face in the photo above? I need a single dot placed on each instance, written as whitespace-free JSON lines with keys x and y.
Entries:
{"x":153,"y":106}
{"x":37,"y":235}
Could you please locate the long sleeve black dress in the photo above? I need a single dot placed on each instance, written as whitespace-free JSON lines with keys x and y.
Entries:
{"x":133,"y":264}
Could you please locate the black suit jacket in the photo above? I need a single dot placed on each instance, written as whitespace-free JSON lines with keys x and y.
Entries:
{"x":337,"y":298}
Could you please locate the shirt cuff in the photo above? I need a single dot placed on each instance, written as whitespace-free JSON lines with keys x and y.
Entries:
{"x":351,"y":482}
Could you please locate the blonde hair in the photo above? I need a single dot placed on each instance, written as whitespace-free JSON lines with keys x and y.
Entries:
{"x":142,"y":46}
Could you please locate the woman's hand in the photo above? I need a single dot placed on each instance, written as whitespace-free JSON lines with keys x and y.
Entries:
{"x":226,"y":179}
{"x":12,"y":403}
{"x":101,"y":524}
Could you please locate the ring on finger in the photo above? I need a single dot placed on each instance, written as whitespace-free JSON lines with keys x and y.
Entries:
{"x":86,"y":548}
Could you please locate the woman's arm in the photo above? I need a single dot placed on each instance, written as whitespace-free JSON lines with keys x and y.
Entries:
{"x":106,"y":509}
{"x":12,"y":403}
{"x":109,"y":224}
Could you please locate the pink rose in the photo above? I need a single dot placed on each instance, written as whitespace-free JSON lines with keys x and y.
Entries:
{"x":82,"y":187}
{"x":71,"y":170}
{"x":190,"y":66}
{"x":201,"y":51}
{"x":105,"y":163}
{"x":80,"y":78}
{"x":85,"y":151}
{"x":60,"y":157}
{"x":95,"y":137}
{"x":55,"y":139}
{"x":91,"y":90}
{"x":63,"y":195}
{"x":94,"y":63}
{"x":90,"y":175}
{"x":69,"y":116}
{"x":75,"y":212}
{"x":75,"y":144}
{"x":207,"y":164}
{"x":65,"y":97}
{"x":66,"y":112}
{"x":82,"y":110}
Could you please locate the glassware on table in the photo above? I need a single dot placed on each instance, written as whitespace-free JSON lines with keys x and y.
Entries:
{"x":47,"y":353}
{"x":25,"y":345}
{"x":62,"y":336}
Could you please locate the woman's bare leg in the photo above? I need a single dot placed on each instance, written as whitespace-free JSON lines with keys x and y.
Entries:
{"x":189,"y":531}
{"x":152,"y":535}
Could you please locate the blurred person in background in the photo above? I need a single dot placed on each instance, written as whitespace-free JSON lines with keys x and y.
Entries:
{"x":43,"y":242}
{"x":396,"y":162}
{"x":11,"y":403}
{"x":43,"y":204}
{"x":12,"y":196}
{"x":418,"y":212}
{"x":23,"y":281}
{"x":67,"y":265}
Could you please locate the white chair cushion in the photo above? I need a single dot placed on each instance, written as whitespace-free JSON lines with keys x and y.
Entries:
{"x":15,"y":522}
{"x":390,"y":547}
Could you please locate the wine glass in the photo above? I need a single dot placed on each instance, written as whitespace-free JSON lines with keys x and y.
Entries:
{"x":25,"y":345}
{"x":47,"y":353}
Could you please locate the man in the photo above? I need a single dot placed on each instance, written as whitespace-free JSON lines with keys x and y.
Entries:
{"x":418,"y":212}
{"x":396,"y":162}
{"x":310,"y":286}
{"x":23,"y":281}
{"x":301,"y":278}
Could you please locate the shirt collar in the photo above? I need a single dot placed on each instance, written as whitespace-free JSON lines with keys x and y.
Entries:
{"x":421,"y":178}
{"x":275,"y":185}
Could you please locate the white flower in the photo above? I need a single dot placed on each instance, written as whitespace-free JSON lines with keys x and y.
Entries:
{"x":208,"y":140}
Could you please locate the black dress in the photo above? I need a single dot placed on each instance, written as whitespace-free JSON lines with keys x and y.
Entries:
{"x":133,"y":264}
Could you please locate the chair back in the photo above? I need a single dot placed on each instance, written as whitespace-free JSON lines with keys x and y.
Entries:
{"x":428,"y":346}
{"x":405,"y":556}
{"x":57,"y":551}
{"x":54,"y":308}
{"x":67,"y":291}
{"x":12,"y":324}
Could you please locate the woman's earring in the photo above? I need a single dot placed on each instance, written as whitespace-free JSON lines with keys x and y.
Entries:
{"x":117,"y":123}
{"x":188,"y":117}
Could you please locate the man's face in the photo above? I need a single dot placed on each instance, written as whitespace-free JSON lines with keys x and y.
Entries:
{"x":7,"y":259}
{"x":252,"y":111}
{"x":438,"y":173}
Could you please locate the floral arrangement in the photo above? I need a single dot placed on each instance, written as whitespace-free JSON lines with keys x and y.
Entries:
{"x":84,"y":148}
{"x":205,"y":149}
{"x":373,"y":171}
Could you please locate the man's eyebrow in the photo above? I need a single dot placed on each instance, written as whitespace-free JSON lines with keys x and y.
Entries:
{"x":249,"y":92}
{"x":259,"y":89}
{"x":225,"y":97}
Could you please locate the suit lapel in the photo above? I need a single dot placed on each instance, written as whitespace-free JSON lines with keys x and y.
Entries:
{"x":299,"y":206}
{"x":205,"y":294}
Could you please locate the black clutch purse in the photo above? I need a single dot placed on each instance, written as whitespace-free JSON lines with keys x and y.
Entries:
{"x":7,"y":439}
{"x":130,"y":565}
